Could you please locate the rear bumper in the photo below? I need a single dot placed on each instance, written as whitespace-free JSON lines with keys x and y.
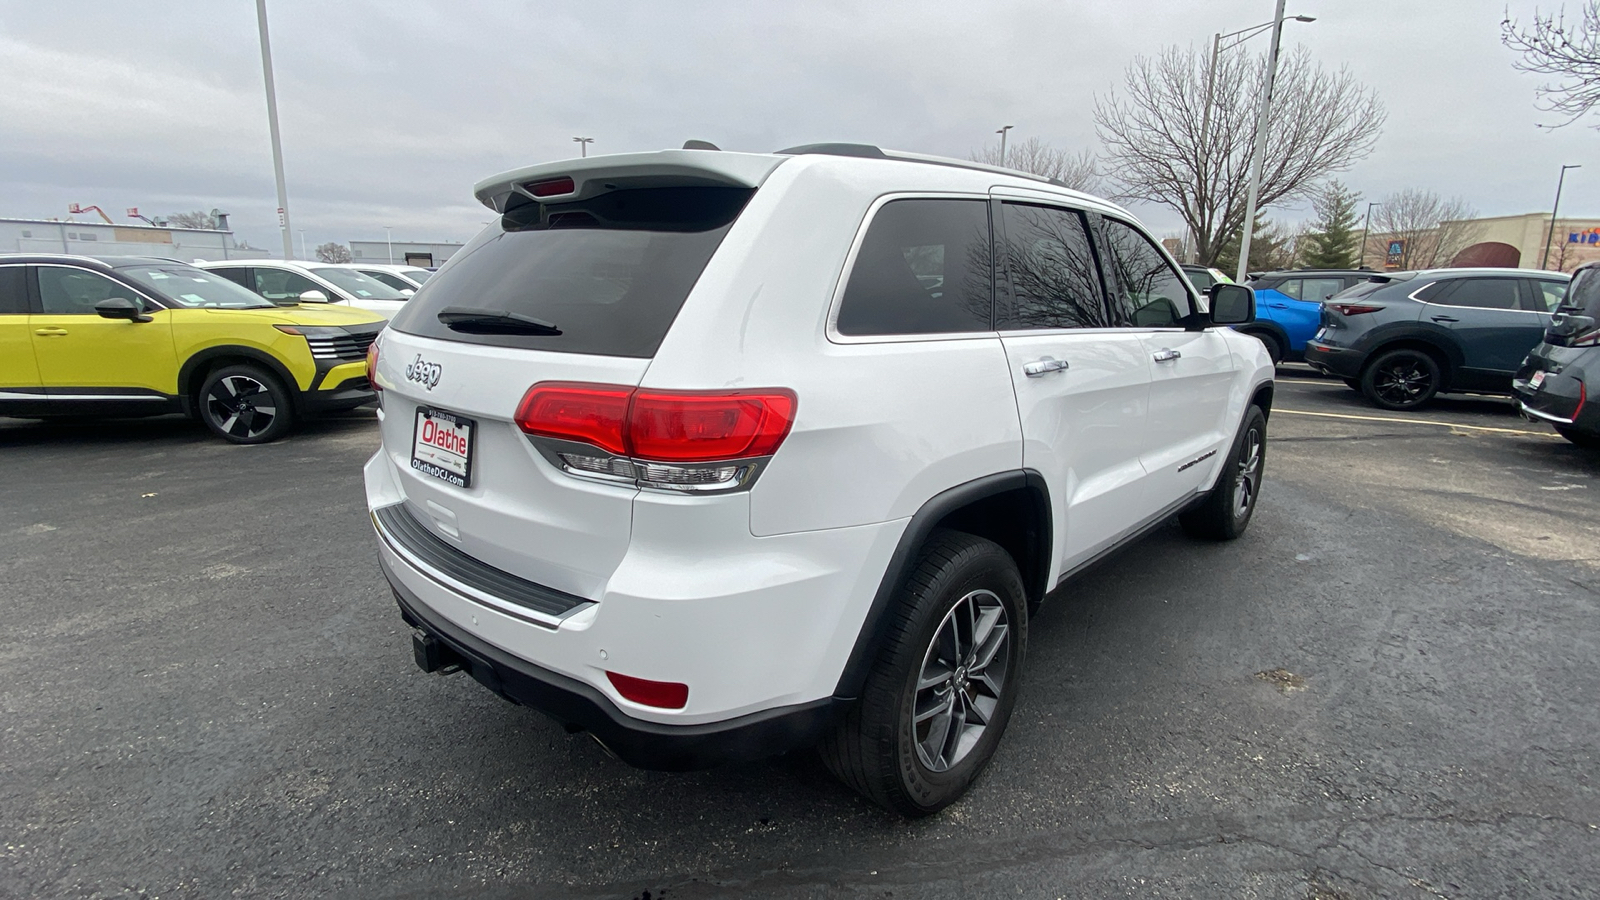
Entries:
{"x":578,"y":706}
{"x":1342,"y":362}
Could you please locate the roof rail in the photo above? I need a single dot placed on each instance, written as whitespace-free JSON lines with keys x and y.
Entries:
{"x":868,"y":151}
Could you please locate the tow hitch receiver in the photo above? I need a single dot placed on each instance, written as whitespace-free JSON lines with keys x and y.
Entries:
{"x":432,"y":655}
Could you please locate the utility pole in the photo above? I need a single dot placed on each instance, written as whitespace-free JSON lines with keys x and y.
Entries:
{"x":1545,"y":261}
{"x":1002,"y":133}
{"x":303,"y":253}
{"x":1364,"y":229}
{"x":583,"y":145}
{"x":272,"y":126}
{"x":388,"y":236}
{"x":1260,"y":148}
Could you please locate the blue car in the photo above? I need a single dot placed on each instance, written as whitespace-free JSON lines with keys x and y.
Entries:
{"x":1289,"y":307}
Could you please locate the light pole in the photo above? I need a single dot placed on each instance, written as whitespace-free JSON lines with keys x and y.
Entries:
{"x":1235,"y":39}
{"x":1002,"y":133}
{"x":1259,"y":149}
{"x":303,"y":254}
{"x":1552,"y":233}
{"x":388,"y":237}
{"x":1364,"y":229}
{"x":583,"y":145}
{"x":272,"y":126}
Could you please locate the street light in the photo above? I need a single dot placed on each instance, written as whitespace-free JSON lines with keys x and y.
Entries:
{"x":388,"y":236}
{"x":1002,"y":133}
{"x":1364,"y":229}
{"x":1260,"y":146}
{"x":272,"y":127}
{"x":583,"y":145}
{"x":1234,"y":39}
{"x":303,"y":253}
{"x":1545,"y":262}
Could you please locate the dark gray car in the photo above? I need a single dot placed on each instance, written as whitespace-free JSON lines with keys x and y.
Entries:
{"x":1402,"y":337}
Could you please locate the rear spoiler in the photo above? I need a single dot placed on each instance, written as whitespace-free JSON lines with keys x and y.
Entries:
{"x":598,"y":174}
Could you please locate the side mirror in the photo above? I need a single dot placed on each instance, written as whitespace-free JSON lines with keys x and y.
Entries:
{"x":313,"y":297}
{"x":1232,"y":304}
{"x":121,"y":308}
{"x":1568,"y":325}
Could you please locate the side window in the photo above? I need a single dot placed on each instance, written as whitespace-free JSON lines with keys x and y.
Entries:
{"x":281,"y":284}
{"x":1316,"y":290}
{"x":1484,"y":293}
{"x":924,"y":268}
{"x":1547,"y":295}
{"x":1054,"y":280}
{"x":237,"y":274}
{"x":1150,"y":294}
{"x":13,"y":290}
{"x":1435,"y":293}
{"x":74,"y":292}
{"x":1291,"y":288}
{"x":393,"y":281}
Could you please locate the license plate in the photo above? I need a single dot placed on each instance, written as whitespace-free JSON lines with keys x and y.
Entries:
{"x":1536,"y":380}
{"x":442,"y":446}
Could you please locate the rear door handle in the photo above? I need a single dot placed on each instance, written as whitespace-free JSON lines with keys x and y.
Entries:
{"x":1445,"y":319}
{"x":1043,"y":366}
{"x":50,"y":332}
{"x":1166,"y":354}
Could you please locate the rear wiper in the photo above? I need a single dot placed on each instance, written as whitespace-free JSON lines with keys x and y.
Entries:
{"x":469,"y":320}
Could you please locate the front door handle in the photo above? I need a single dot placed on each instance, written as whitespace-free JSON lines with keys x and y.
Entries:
{"x":1043,"y":366}
{"x":1166,"y":354}
{"x":1445,"y":319}
{"x":50,"y":332}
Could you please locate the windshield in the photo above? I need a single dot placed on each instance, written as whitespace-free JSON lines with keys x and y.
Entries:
{"x":417,"y":275}
{"x":358,"y":285}
{"x":195,"y":288}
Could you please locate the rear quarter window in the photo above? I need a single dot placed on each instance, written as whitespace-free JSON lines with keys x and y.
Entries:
{"x":924,"y":267}
{"x":610,"y":272}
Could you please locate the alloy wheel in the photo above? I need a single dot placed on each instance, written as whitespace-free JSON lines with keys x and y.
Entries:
{"x":1402,"y":382}
{"x":1248,"y":482}
{"x":962,"y":676}
{"x":241,"y":406}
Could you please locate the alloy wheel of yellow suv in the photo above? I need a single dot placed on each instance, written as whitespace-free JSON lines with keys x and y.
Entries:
{"x":137,"y":336}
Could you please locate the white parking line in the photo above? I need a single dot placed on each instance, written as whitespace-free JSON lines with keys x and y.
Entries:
{"x":1325,"y":415}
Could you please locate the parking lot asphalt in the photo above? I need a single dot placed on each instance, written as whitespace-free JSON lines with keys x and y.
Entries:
{"x":1386,"y":688}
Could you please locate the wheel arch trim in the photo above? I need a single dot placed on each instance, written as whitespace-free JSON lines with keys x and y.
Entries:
{"x":188,"y":374}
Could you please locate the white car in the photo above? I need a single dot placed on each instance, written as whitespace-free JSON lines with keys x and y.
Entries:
{"x":310,"y":282}
{"x":405,"y":279}
{"x":716,"y":455}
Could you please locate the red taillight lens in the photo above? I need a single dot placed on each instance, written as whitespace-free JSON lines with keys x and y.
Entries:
{"x":551,"y":187}
{"x":1353,"y":309}
{"x":660,"y":694}
{"x":669,"y":426}
{"x":372,"y":365}
{"x":661,"y":426}
{"x":570,"y":411}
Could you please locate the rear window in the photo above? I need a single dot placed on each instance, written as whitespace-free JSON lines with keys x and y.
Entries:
{"x":1583,"y":294}
{"x":1372,"y":286}
{"x":610,"y":272}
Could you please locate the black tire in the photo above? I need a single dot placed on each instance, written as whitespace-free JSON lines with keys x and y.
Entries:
{"x":1353,"y":384}
{"x":1401,"y":379}
{"x":1585,"y":439}
{"x":245,"y":404}
{"x":1268,"y":340}
{"x":881,"y":748}
{"x":1226,"y":511}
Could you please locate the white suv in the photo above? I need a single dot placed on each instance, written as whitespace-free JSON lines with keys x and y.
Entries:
{"x":294,"y":281}
{"x":716,"y":455}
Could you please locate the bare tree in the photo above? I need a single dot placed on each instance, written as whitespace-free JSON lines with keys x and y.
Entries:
{"x":332,"y":252}
{"x":196,"y":219}
{"x":1162,"y":146}
{"x":1079,"y":171}
{"x":1432,"y":228}
{"x":1570,"y":53}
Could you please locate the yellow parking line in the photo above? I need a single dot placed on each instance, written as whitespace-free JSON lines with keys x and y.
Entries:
{"x":1303,"y":412}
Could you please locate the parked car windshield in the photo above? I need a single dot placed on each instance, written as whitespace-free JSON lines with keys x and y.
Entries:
{"x":417,"y":275}
{"x":195,"y":288}
{"x":358,"y":285}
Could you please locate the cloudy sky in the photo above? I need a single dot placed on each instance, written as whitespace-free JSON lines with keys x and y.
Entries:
{"x":392,"y":109}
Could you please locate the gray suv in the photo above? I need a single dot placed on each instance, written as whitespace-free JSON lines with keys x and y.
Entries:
{"x":1401,"y":337}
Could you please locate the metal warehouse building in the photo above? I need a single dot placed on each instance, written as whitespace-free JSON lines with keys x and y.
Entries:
{"x":99,"y":239}
{"x":411,"y":253}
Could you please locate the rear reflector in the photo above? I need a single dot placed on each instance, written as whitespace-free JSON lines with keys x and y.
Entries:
{"x":551,"y":187}
{"x":660,"y":694}
{"x":1353,"y":309}
{"x":661,"y":426}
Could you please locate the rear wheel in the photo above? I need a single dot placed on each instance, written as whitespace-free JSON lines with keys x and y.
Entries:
{"x":245,"y":404}
{"x":941,"y":691}
{"x":1584,"y":439}
{"x":1226,"y":511}
{"x":1401,"y":379}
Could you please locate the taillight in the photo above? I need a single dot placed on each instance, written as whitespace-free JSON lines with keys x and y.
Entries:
{"x":660,"y":694}
{"x":372,"y":365}
{"x":1353,"y":309}
{"x":673,"y":440}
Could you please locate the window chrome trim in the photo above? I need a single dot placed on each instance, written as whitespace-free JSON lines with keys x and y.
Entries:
{"x":831,"y":329}
{"x":1517,"y":308}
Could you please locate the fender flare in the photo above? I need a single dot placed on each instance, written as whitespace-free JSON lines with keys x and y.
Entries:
{"x":187,"y":384}
{"x":875,"y":625}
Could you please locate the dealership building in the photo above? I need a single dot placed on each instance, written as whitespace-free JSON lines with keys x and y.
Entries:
{"x":101,"y":239}
{"x":410,"y":253}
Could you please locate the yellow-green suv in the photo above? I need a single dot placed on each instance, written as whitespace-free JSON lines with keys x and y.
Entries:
{"x":135,"y":336}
